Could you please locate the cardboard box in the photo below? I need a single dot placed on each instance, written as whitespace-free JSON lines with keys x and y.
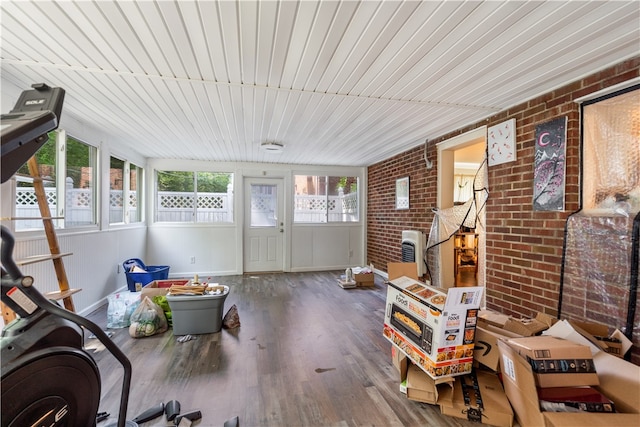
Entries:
{"x":498,"y":331}
{"x":399,"y":269}
{"x":493,"y":408}
{"x":364,"y":279}
{"x":401,"y":363}
{"x":422,"y":388}
{"x":615,"y":343}
{"x":520,"y":327}
{"x":564,"y":419}
{"x":572,"y":399}
{"x":493,"y":318}
{"x":435,"y":328}
{"x":619,"y":381}
{"x":485,"y":350}
{"x":160,"y":287}
{"x":557,"y":362}
{"x":529,"y":327}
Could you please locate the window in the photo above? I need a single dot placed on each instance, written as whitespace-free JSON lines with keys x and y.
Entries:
{"x":60,"y":156}
{"x":463,"y":188}
{"x":68,"y":168}
{"x":116,"y":194}
{"x":80,"y":186}
{"x":26,"y":205}
{"x":135,"y":193}
{"x":194,"y":197}
{"x":320,"y":199}
{"x":611,"y":152}
{"x":124,"y":181}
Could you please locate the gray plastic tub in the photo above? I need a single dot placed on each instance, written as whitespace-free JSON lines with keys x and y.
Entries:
{"x":197,"y":314}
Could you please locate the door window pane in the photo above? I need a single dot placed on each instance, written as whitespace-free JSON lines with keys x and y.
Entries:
{"x":264,"y":202}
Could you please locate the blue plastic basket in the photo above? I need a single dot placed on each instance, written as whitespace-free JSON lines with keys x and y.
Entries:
{"x":151,"y":273}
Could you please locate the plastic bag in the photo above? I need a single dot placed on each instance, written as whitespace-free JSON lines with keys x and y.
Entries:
{"x":161,"y":300}
{"x":231,"y":320}
{"x":147,"y":320}
{"x":120,"y":307}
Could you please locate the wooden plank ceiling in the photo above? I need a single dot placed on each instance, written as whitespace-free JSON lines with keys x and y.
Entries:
{"x":335,"y":82}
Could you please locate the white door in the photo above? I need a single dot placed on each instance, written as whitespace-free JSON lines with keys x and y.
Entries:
{"x":263,"y":225}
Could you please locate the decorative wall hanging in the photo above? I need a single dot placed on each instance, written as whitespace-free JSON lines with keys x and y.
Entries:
{"x":402,"y":193}
{"x":549,"y":165}
{"x":501,"y":142}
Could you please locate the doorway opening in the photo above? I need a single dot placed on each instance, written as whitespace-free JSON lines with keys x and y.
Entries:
{"x":462,"y":258}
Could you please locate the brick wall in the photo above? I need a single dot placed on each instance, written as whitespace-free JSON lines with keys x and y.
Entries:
{"x":384,"y":223}
{"x":524,"y":247}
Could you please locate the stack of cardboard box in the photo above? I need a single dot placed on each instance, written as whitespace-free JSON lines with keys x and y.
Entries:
{"x":478,"y":396}
{"x":523,"y":368}
{"x":435,"y":328}
{"x":521,"y":349}
{"x":554,"y":372}
{"x":433,"y":332}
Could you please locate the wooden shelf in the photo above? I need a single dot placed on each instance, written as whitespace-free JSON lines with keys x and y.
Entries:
{"x":58,"y":295}
{"x":39,"y":258}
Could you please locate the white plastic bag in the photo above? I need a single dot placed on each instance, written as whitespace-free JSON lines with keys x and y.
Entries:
{"x":120,"y":307}
{"x":147,"y":320}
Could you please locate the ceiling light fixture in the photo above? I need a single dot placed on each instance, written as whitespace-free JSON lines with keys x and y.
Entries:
{"x":272,"y":147}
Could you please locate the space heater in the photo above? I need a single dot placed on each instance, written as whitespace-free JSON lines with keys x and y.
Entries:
{"x":413,"y":247}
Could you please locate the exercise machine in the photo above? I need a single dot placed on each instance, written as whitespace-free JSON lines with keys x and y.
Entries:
{"x":48,"y":379}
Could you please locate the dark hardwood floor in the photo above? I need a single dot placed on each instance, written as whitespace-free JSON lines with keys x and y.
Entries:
{"x":466,"y":277}
{"x":308,"y":353}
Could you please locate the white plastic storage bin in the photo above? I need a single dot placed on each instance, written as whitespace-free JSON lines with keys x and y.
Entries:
{"x":197,"y":314}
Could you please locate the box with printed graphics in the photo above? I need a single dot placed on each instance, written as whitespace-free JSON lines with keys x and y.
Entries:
{"x":434,"y":327}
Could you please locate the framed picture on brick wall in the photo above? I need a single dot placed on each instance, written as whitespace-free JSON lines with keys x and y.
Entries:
{"x":501,"y":143}
{"x":549,"y":165}
{"x":402,"y":193}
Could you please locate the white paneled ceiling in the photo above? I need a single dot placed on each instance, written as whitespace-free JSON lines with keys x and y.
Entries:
{"x":336,"y":82}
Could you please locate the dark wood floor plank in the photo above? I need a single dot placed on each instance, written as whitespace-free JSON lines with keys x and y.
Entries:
{"x":308,"y":353}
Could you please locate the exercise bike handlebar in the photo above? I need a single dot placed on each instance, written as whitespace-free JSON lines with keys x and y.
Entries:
{"x":13,"y":281}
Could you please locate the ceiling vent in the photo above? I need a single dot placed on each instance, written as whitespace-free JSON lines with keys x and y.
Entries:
{"x":272,"y":147}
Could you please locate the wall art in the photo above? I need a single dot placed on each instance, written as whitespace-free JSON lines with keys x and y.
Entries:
{"x":402,"y":193}
{"x":549,"y":165}
{"x":501,"y":143}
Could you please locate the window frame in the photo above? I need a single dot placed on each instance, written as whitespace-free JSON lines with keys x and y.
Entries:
{"x":328,"y":179}
{"x":586,"y":103}
{"x":126,"y":193}
{"x":196,"y":209}
{"x":95,"y":181}
{"x":60,"y":220}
